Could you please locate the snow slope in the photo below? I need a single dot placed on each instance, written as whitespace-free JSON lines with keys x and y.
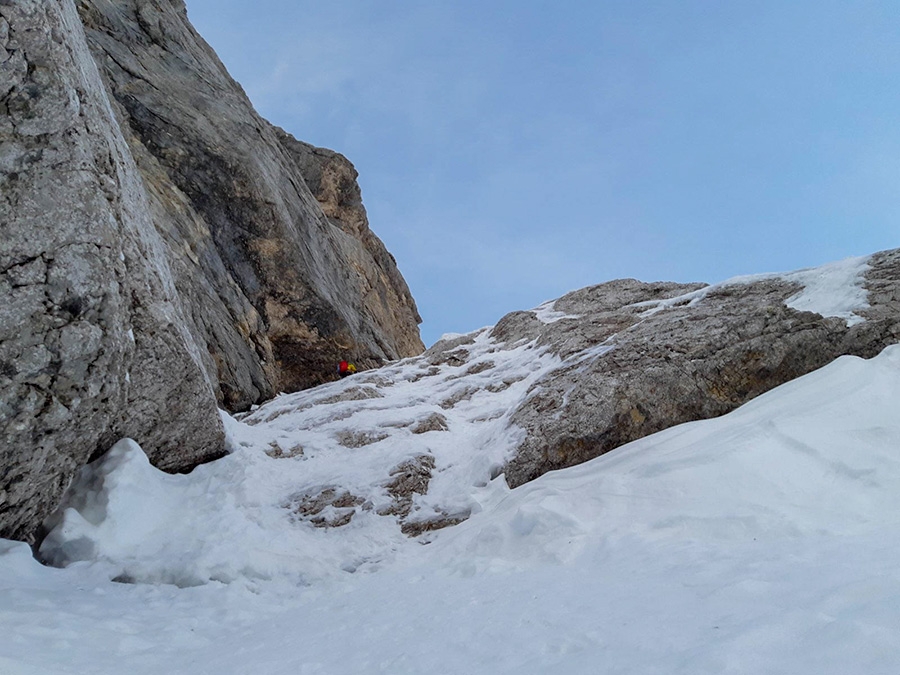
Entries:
{"x":763,"y":541}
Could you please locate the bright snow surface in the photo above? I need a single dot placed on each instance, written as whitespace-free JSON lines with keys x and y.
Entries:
{"x":763,"y":541}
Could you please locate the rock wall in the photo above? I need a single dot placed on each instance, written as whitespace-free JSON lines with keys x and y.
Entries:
{"x":161,"y":250}
{"x":332,"y":179}
{"x":277,"y":291}
{"x":93,"y":345}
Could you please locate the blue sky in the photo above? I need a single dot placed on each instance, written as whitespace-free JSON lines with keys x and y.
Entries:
{"x":510,"y":151}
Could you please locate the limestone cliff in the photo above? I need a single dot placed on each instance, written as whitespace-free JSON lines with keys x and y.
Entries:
{"x":278,"y":291}
{"x":161,"y":249}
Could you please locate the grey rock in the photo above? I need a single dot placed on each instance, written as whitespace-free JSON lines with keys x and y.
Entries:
{"x":326,"y":507}
{"x":351,"y":394}
{"x":461,"y":394}
{"x":354,"y":438}
{"x":277,"y":290}
{"x":275,"y":451}
{"x":629,"y":370}
{"x":92,"y":340}
{"x":408,"y":479}
{"x":416,"y":528}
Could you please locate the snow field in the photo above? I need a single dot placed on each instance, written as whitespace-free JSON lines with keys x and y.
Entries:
{"x":763,"y":541}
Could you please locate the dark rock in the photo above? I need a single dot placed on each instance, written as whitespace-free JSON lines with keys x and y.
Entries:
{"x":408,"y":479}
{"x":352,"y":438}
{"x":328,"y":507}
{"x":434,"y":422}
{"x":351,"y":394}
{"x":275,"y":451}
{"x":416,"y":528}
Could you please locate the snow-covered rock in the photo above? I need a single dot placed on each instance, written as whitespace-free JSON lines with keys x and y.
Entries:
{"x":161,"y":251}
{"x":639,"y":358}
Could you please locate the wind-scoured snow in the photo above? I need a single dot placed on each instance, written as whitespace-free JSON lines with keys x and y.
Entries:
{"x":547,"y":313}
{"x":763,"y":541}
{"x":835,"y":289}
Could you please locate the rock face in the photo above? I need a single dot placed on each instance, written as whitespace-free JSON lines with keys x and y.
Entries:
{"x":279,"y":291}
{"x":332,"y":179}
{"x":635,"y":361}
{"x":161,"y":250}
{"x":92,"y":339}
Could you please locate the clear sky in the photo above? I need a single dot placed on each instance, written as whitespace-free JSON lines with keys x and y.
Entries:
{"x":512,"y":150}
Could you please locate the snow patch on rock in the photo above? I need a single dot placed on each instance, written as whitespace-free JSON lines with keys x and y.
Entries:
{"x":836,"y":289}
{"x":546,"y":313}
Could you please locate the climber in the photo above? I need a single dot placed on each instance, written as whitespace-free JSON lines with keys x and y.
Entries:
{"x":345,"y":369}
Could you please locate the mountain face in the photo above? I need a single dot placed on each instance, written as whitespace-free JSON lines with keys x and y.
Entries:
{"x":166,"y":251}
{"x":279,"y":289}
{"x":354,"y":475}
{"x":162,"y":251}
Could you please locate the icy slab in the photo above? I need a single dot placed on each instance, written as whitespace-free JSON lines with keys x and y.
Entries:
{"x":546,"y":313}
{"x":835,"y":289}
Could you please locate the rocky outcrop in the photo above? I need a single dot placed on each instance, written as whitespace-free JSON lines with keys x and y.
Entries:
{"x":161,"y":250}
{"x":92,"y":339}
{"x":639,"y":358}
{"x":332,"y":179}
